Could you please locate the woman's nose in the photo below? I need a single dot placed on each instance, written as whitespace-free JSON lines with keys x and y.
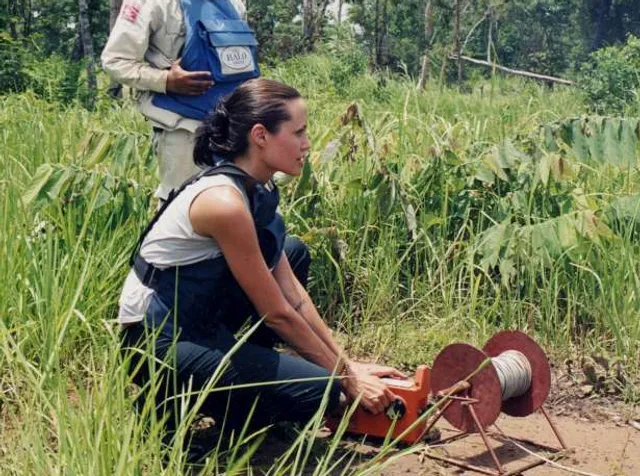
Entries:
{"x":306,"y":144}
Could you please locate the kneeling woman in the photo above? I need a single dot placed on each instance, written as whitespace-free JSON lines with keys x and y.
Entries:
{"x":216,"y":254}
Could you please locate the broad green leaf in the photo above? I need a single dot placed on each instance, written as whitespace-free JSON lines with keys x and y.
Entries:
{"x":386,"y":197}
{"x":484,"y":174}
{"x":549,"y":139}
{"x":34,"y":189}
{"x":595,"y":138}
{"x":101,"y":150}
{"x":578,"y":140}
{"x":123,"y":155}
{"x":491,"y":242}
{"x":493,"y":161}
{"x":355,"y":185}
{"x":57,"y":182}
{"x":544,"y":168}
{"x":626,"y":208}
{"x":305,"y":178}
{"x":629,"y":141}
{"x":508,"y":271}
{"x":611,"y":144}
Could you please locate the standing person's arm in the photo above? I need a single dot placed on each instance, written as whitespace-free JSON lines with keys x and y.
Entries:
{"x":123,"y":55}
{"x":123,"y":58}
{"x":241,"y":6}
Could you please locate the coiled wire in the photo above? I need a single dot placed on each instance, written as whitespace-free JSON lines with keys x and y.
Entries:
{"x":514,"y":373}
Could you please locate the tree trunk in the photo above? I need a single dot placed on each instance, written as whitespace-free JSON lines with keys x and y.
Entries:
{"x":457,"y":40}
{"x":490,"y":36}
{"x":319,"y":19}
{"x":115,"y":88}
{"x":603,"y":12}
{"x":527,"y":74}
{"x":428,"y":33}
{"x":384,"y":38}
{"x":307,"y":23}
{"x":376,"y":38}
{"x":13,"y":14}
{"x":27,"y":14}
{"x":340,"y":2}
{"x":87,"y":48}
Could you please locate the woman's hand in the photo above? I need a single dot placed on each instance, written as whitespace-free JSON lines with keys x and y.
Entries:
{"x":377,"y":370}
{"x":375,"y":396}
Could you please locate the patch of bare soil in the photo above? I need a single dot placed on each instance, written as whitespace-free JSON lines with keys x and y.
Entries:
{"x":603,"y":436}
{"x":597,"y":448}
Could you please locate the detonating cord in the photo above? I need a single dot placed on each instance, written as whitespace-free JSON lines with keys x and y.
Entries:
{"x":549,"y":461}
{"x":514,"y":373}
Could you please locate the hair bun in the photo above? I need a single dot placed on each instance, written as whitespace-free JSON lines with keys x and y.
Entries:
{"x":221,"y":111}
{"x":212,"y":139}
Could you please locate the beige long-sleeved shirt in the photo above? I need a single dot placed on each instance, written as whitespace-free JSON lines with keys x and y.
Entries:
{"x":146,"y":39}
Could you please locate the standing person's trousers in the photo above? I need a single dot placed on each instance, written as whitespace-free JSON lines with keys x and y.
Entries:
{"x":174,"y":151}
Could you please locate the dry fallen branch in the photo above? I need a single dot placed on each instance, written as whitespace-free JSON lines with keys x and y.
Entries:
{"x":517,"y":72}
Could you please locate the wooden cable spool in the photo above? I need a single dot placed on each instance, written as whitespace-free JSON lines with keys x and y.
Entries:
{"x":460,"y":362}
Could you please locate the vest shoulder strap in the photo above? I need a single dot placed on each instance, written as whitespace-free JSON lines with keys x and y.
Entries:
{"x":224,"y":168}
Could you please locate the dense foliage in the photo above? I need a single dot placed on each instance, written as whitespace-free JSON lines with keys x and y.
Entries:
{"x":432,"y":215}
{"x":545,"y":36}
{"x":611,"y":79}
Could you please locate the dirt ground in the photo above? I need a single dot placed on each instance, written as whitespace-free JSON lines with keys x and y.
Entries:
{"x":603,"y":436}
{"x":602,"y":433}
{"x":599,"y":448}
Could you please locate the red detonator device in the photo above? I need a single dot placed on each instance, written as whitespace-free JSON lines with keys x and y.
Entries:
{"x":411,"y":401}
{"x":468,"y":388}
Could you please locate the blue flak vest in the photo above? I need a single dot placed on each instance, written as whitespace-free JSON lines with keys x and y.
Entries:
{"x":217,"y":40}
{"x":201,"y":291}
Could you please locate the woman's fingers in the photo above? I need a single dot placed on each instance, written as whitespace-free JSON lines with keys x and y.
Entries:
{"x":380,"y":370}
{"x":373,"y":406}
{"x":395,"y":373}
{"x":376,"y":396}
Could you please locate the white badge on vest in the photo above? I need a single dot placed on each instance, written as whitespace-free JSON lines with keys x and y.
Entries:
{"x":235,"y":60}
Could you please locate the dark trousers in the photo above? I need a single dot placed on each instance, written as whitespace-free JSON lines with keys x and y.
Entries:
{"x":189,"y":361}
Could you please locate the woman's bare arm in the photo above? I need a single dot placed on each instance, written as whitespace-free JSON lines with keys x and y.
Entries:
{"x":221,"y":213}
{"x":298,"y":297}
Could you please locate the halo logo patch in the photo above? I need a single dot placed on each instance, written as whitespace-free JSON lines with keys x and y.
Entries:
{"x":236,"y":59}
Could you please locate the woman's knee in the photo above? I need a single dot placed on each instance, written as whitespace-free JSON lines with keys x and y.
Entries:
{"x":309,"y":389}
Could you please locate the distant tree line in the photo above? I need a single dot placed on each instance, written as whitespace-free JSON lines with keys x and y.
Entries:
{"x":421,"y":38}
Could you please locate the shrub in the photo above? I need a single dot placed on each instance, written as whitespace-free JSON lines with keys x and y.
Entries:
{"x":349,"y":61}
{"x":611,"y":78}
{"x":12,"y":59}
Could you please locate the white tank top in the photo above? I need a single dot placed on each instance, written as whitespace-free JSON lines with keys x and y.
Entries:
{"x":172,"y":242}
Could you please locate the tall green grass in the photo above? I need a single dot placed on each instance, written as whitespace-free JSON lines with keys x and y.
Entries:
{"x":394,"y":217}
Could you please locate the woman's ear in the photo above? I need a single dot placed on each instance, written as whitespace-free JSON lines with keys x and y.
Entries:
{"x":258,"y":135}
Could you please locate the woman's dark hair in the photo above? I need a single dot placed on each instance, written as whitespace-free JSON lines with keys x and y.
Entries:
{"x":224,"y":133}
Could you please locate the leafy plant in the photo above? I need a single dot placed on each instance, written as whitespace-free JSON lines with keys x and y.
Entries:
{"x":611,"y":78}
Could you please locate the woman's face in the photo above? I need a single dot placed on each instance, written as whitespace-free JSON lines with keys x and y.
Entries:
{"x":285,"y":150}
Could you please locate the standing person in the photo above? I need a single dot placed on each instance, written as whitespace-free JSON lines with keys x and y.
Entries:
{"x":181,"y":56}
{"x":215,"y":255}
